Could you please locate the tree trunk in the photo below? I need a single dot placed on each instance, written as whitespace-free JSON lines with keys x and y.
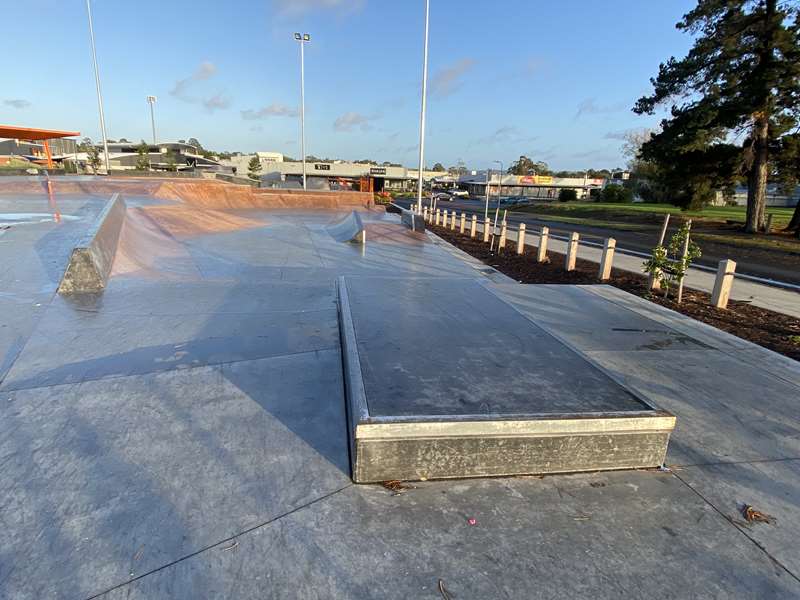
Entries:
{"x":794,"y":223}
{"x":757,"y":178}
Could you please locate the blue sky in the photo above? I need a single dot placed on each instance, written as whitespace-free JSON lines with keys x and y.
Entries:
{"x":552,"y":80}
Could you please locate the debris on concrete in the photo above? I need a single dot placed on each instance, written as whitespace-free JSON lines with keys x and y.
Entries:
{"x":472,"y":521}
{"x":443,"y":591}
{"x":751,"y":515}
{"x":397,"y":487}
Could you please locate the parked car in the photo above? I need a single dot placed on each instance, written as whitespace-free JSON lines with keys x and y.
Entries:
{"x":442,"y":197}
{"x":459,"y":193}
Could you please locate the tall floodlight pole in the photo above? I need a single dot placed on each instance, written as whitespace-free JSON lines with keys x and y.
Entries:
{"x":499,"y":188}
{"x":303,"y":39}
{"x":97,"y":85}
{"x":486,"y":209}
{"x":422,"y":110}
{"x":151,"y":100}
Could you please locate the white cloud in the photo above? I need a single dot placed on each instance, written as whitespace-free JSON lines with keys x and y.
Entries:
{"x":508,"y":134}
{"x":293,"y":8}
{"x":273,"y":110}
{"x":183,"y":89}
{"x":205,"y":71}
{"x":216,"y":101}
{"x":16,"y":103}
{"x":447,"y":80}
{"x":350,"y":120}
{"x":589,"y":106}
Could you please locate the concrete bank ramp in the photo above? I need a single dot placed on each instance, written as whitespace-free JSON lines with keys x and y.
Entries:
{"x":204,"y":193}
{"x":348,"y":229}
{"x":91,"y":261}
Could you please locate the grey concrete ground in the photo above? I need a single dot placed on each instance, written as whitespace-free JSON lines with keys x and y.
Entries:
{"x":184,"y":437}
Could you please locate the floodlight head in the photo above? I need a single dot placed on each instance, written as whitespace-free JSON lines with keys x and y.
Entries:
{"x":151,"y":99}
{"x":297,"y":37}
{"x":306,"y":37}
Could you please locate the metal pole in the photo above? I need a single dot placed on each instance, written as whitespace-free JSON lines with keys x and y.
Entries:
{"x":497,"y":208}
{"x":151,"y":100}
{"x":303,"y":110}
{"x":97,"y":84}
{"x":422,"y":111}
{"x":486,"y":210}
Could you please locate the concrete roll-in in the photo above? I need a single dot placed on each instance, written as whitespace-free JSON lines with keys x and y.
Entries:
{"x":90,"y":262}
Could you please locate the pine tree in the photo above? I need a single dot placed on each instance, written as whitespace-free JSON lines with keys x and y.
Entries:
{"x":254,"y":167}
{"x":143,"y":160}
{"x":741,"y":79}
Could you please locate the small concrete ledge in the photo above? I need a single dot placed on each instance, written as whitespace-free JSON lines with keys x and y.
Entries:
{"x":433,"y":401}
{"x":409,"y":218}
{"x":91,"y":261}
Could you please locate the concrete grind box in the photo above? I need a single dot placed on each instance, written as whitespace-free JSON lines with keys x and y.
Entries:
{"x":445,"y":379}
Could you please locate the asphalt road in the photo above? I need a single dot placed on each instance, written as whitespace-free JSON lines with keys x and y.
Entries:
{"x":760,"y":263}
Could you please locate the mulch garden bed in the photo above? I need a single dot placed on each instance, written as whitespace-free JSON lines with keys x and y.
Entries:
{"x":778,"y":332}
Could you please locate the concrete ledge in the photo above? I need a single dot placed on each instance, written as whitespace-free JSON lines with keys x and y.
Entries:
{"x":90,"y":262}
{"x":348,"y":229}
{"x":409,"y":218}
{"x":398,"y":445}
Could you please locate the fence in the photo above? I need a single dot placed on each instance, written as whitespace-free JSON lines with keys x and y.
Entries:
{"x":723,"y":282}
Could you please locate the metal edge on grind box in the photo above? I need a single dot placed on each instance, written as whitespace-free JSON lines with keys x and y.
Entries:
{"x":455,"y":446}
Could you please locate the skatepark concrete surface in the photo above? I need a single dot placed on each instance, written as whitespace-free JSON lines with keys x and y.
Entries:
{"x":182,"y":434}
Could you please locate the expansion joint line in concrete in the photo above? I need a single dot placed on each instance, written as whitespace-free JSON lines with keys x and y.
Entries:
{"x":227,"y":540}
{"x":744,"y":532}
{"x":723,"y":463}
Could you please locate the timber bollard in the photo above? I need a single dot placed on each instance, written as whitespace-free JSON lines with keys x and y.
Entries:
{"x":503,"y":231}
{"x":453,"y":221}
{"x":425,"y":214}
{"x":463,"y":223}
{"x":723,"y":283}
{"x":438,"y":215}
{"x":521,"y":239}
{"x":474,"y":228}
{"x":541,"y":253}
{"x":608,"y":259}
{"x":444,"y":222}
{"x":486,"y":227}
{"x":572,"y":251}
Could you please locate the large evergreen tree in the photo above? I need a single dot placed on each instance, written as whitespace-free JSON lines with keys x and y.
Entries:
{"x":733,"y":97}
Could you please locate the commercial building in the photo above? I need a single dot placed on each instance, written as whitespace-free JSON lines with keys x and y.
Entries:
{"x":343,"y":175}
{"x":164,"y":156}
{"x":240,"y":163}
{"x":543,"y":187}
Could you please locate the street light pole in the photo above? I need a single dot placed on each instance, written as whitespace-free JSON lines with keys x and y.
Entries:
{"x":97,"y":85}
{"x":486,"y":209}
{"x":497,"y":208}
{"x":303,"y":39}
{"x":151,"y":100}
{"x":422,"y":110}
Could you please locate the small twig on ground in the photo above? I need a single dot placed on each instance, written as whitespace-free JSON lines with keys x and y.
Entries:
{"x":751,"y":515}
{"x":232,"y":546}
{"x":443,"y":591}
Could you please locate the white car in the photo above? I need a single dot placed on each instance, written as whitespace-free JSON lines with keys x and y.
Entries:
{"x":459,"y":193}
